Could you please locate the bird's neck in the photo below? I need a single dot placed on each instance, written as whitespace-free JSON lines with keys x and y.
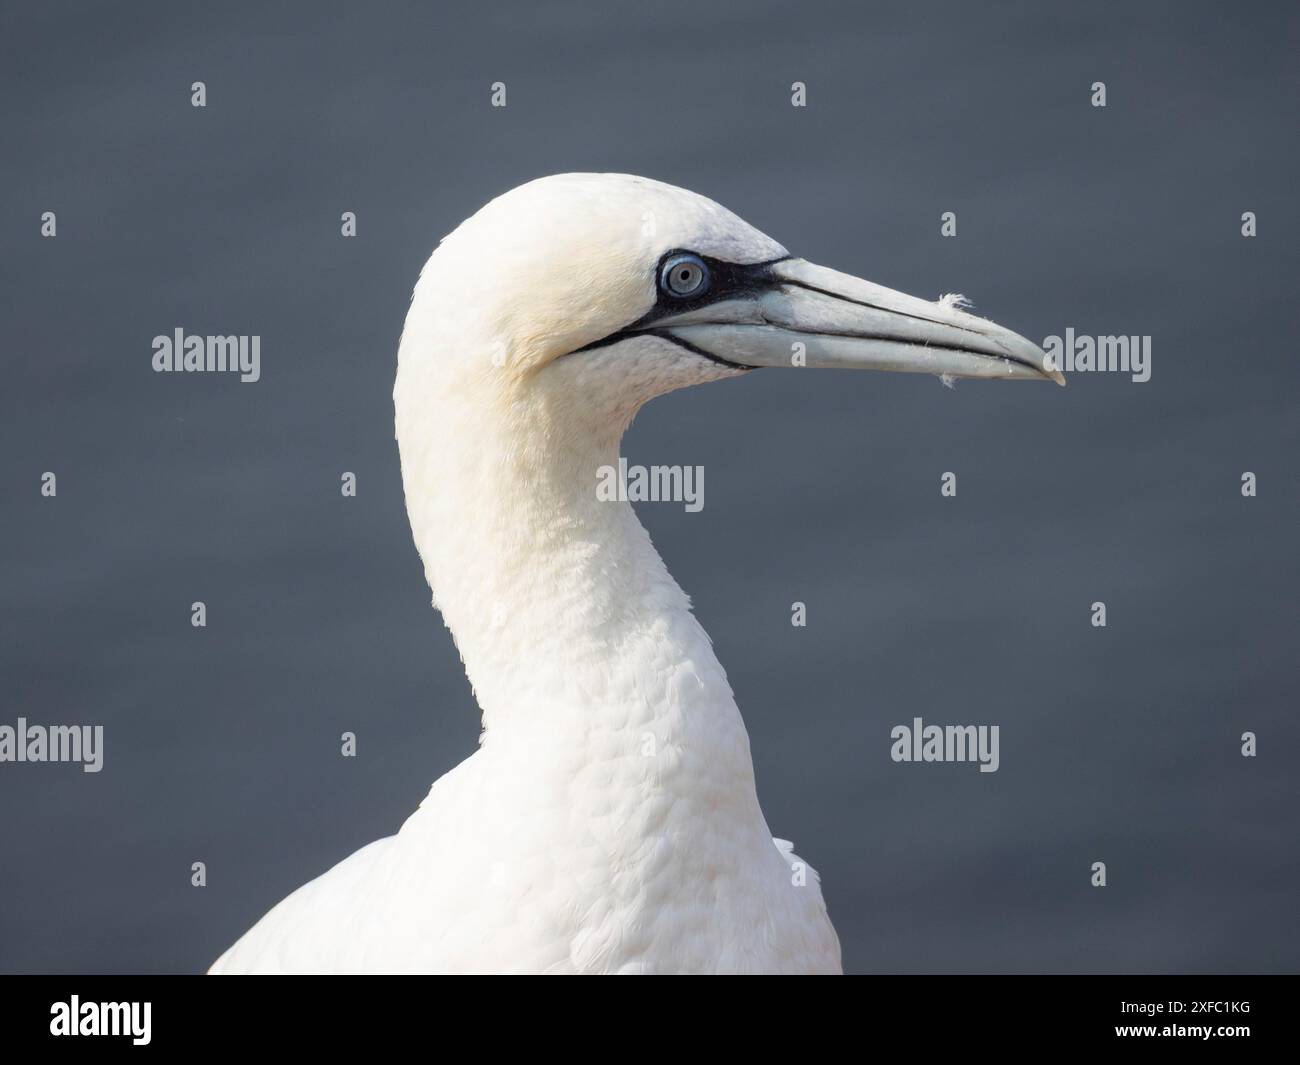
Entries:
{"x":567,"y":620}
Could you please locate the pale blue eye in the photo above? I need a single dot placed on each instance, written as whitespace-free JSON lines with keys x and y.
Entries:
{"x":684,"y":276}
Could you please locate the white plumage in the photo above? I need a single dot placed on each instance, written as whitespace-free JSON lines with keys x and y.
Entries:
{"x":609,"y":820}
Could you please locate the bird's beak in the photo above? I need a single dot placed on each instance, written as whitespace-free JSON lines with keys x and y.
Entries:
{"x":806,"y":315}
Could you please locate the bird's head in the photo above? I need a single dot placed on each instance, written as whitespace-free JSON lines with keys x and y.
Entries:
{"x":592,"y":293}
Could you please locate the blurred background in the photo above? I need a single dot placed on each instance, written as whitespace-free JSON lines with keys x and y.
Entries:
{"x":1119,"y":744}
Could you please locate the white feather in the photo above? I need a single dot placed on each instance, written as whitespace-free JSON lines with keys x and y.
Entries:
{"x":609,"y":820}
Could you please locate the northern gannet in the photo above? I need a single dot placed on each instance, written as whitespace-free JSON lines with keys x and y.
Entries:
{"x":608,"y":822}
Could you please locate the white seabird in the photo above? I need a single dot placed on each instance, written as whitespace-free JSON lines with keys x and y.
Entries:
{"x":608,"y":822}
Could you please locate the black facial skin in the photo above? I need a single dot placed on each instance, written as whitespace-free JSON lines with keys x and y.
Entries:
{"x":727,"y":281}
{"x":738,"y":281}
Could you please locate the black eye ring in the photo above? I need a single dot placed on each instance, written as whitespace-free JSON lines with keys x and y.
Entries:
{"x":684,"y":276}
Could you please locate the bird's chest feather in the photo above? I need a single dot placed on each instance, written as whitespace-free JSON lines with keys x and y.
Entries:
{"x":627,"y":851}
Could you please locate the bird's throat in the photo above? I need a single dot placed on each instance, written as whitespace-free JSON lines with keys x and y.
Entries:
{"x":563,"y":612}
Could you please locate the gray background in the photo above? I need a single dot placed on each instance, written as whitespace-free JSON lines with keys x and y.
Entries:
{"x":1120,"y":744}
